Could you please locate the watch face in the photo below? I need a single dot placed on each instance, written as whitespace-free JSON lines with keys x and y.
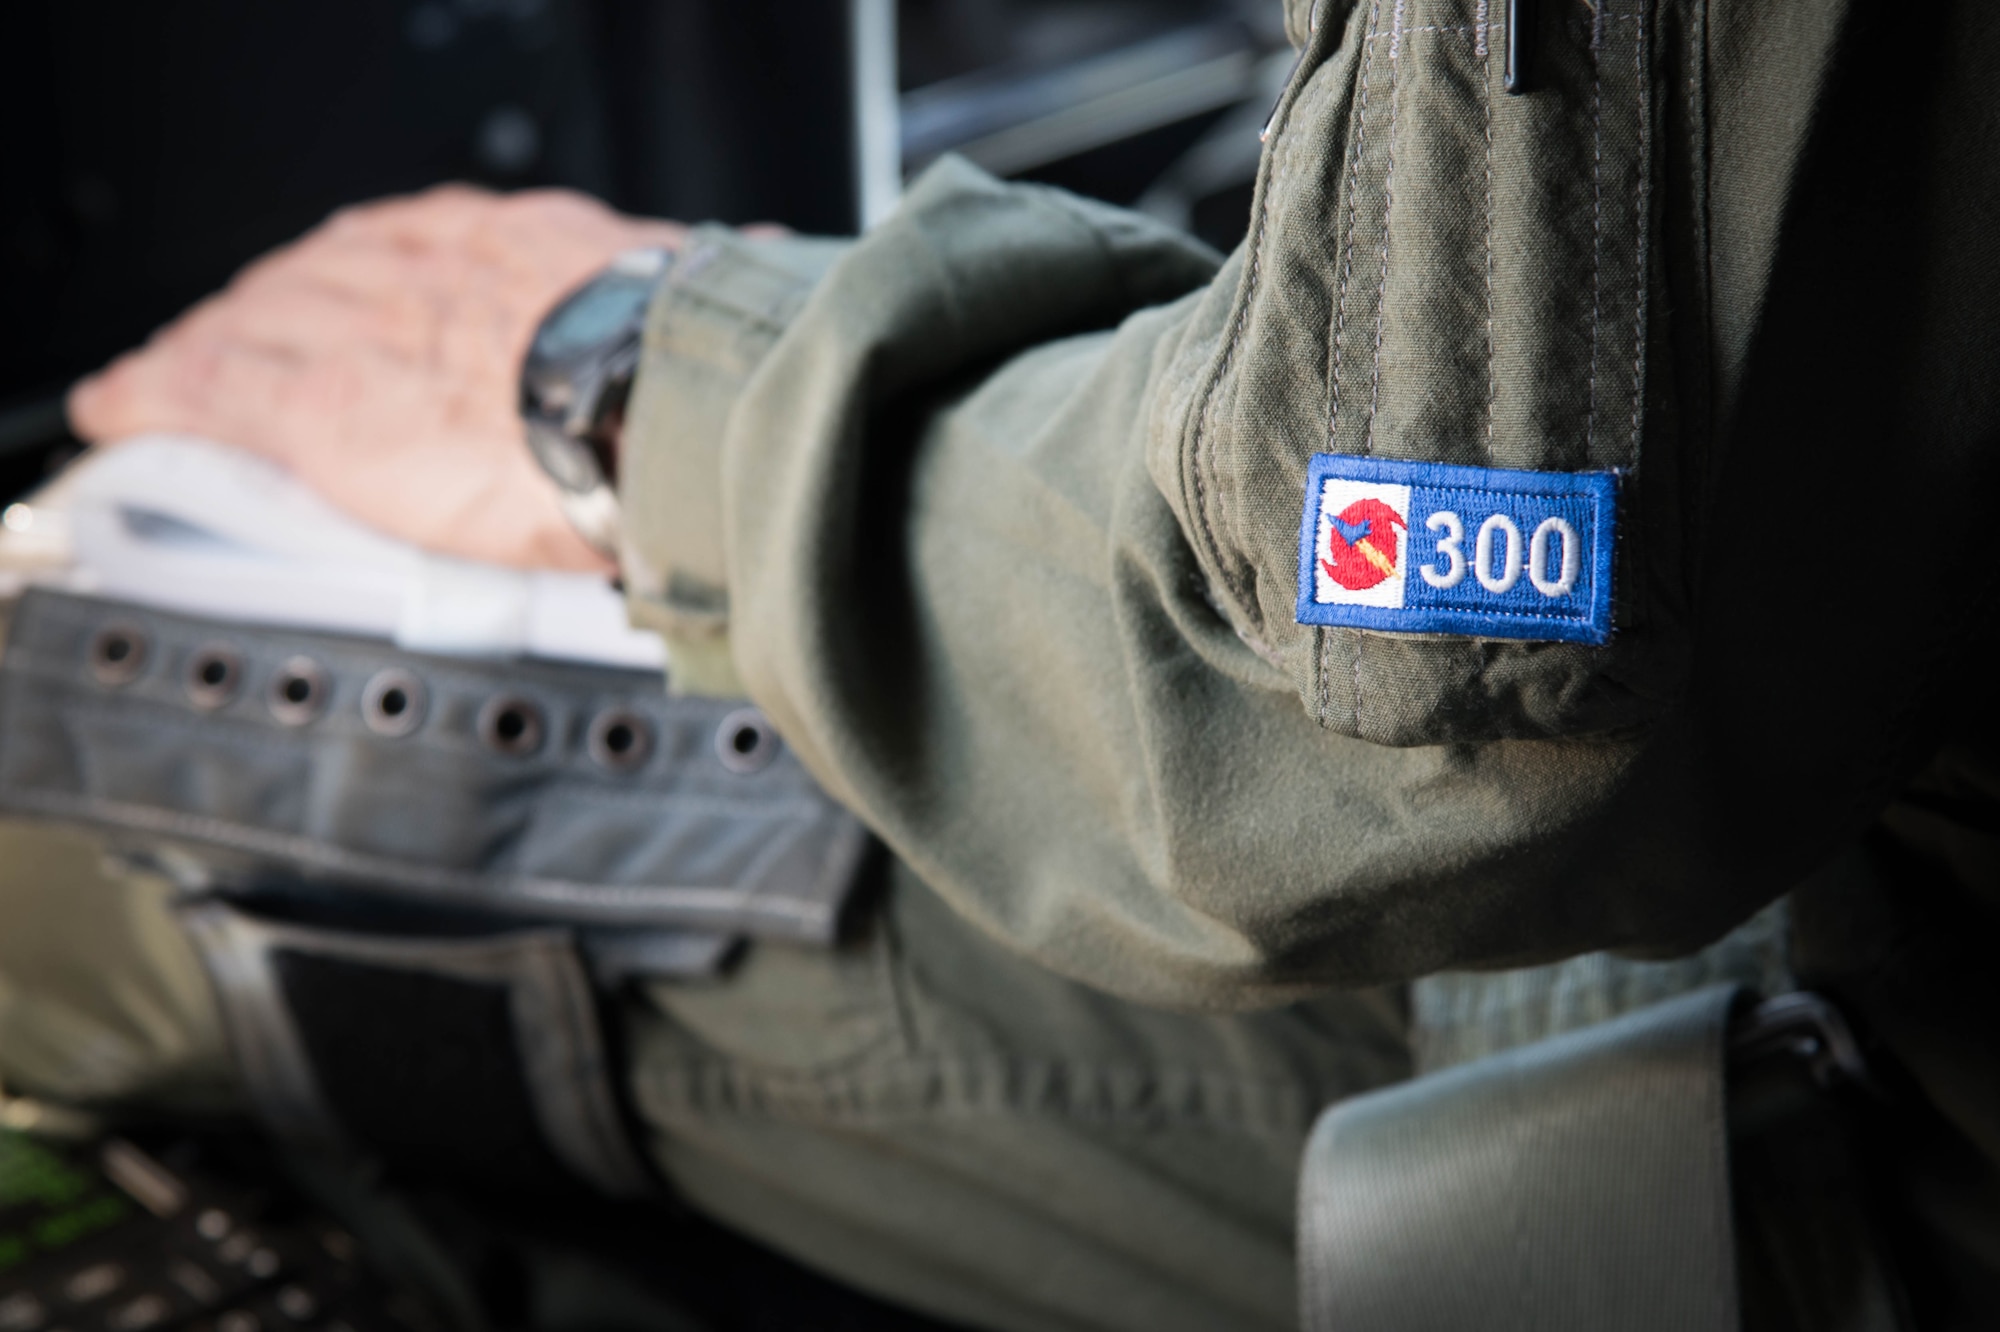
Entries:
{"x":600,"y":313}
{"x":574,"y":384}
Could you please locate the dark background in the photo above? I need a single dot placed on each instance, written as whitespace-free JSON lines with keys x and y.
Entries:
{"x":151,"y":148}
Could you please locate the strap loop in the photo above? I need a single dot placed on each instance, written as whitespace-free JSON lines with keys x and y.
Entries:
{"x":1573,"y":1185}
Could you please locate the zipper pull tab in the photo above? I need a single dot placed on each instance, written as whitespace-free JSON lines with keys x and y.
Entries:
{"x":1520,"y":62}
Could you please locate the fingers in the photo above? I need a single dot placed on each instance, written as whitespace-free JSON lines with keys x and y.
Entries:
{"x":560,"y":231}
{"x":342,"y":301}
{"x":436,"y":216}
{"x":377,"y":357}
{"x":225,"y":391}
{"x":499,"y":274}
{"x":389,"y":273}
{"x":100,"y":410}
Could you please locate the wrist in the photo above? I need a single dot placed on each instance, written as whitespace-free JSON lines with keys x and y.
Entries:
{"x":576,"y":381}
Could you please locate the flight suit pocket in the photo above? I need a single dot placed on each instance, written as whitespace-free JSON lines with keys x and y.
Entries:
{"x":792,"y":1011}
{"x":1442,"y":272}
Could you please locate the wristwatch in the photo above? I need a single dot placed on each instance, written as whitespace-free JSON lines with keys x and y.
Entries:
{"x":575,"y":380}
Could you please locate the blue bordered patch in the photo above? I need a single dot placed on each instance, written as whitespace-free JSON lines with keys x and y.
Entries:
{"x":1430,"y":548}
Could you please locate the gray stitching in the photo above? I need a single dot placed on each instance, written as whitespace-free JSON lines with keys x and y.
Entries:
{"x":1479,"y":29}
{"x":1472,"y":29}
{"x":1479,"y":26}
{"x":1388,"y":208}
{"x":1320,"y":658}
{"x":665,"y":903}
{"x":1203,"y":441}
{"x":1355,"y":672}
{"x":1640,"y":207}
{"x":1381,"y":293}
{"x":1596,"y":219}
{"x":1203,"y":421}
{"x":1492,"y":378}
{"x":1100,"y":1093}
{"x":1353,"y":220}
{"x":1455,"y":30}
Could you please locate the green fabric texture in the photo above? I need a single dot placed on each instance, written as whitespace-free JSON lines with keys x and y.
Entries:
{"x":1460,"y":1016}
{"x":1008,"y":532}
{"x":1481,"y":302}
{"x":725,"y":302}
{"x":1300,"y":19}
{"x":919,"y":1112}
{"x":929,"y":1117}
{"x":103,"y":1001}
{"x":1007,"y":516}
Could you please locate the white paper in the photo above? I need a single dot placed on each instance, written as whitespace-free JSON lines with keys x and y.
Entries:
{"x":186,"y":525}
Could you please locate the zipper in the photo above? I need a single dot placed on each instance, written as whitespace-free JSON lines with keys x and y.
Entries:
{"x":1520,"y":55}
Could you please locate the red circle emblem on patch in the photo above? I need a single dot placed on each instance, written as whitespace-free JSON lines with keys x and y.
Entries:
{"x":1361,"y":544}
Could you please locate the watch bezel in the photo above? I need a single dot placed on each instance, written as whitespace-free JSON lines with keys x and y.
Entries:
{"x":572,"y":404}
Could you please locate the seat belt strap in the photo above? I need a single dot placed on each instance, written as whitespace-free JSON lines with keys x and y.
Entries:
{"x":1573,"y":1185}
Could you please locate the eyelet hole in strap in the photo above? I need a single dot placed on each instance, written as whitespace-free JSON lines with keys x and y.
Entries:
{"x":745,"y":741}
{"x":118,"y":654}
{"x":393,"y":703}
{"x":214,"y":675}
{"x":298,"y":691}
{"x":620,"y":740}
{"x":511,"y":725}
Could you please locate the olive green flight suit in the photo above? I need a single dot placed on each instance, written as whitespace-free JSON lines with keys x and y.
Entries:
{"x":995,"y":513}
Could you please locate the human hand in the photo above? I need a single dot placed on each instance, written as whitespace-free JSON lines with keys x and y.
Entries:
{"x":377,"y":358}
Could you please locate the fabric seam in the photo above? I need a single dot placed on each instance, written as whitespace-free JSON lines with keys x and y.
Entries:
{"x":1353,"y":220}
{"x":1359,"y":645}
{"x":1480,"y":49}
{"x":818,"y":1095}
{"x":1203,"y":447}
{"x":1596,"y":219}
{"x":1642,"y":221}
{"x":1388,"y":216}
{"x":1340,"y":313}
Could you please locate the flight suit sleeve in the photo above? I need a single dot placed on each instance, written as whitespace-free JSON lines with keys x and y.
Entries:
{"x":996,"y":512}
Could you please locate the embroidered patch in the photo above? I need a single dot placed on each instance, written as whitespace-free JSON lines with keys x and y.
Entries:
{"x":1429,"y":548}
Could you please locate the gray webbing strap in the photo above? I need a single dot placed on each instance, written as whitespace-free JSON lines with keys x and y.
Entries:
{"x":1573,"y":1185}
{"x":266,"y":758}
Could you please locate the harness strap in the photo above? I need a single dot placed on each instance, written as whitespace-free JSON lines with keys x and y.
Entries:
{"x":1573,"y":1185}
{"x":478,"y":1059}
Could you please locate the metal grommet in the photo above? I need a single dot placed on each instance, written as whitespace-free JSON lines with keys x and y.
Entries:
{"x":745,"y":741}
{"x":213,"y":676}
{"x":392,"y":703}
{"x":298,"y":691}
{"x":620,"y":739}
{"x":511,"y":725}
{"x":118,"y":653}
